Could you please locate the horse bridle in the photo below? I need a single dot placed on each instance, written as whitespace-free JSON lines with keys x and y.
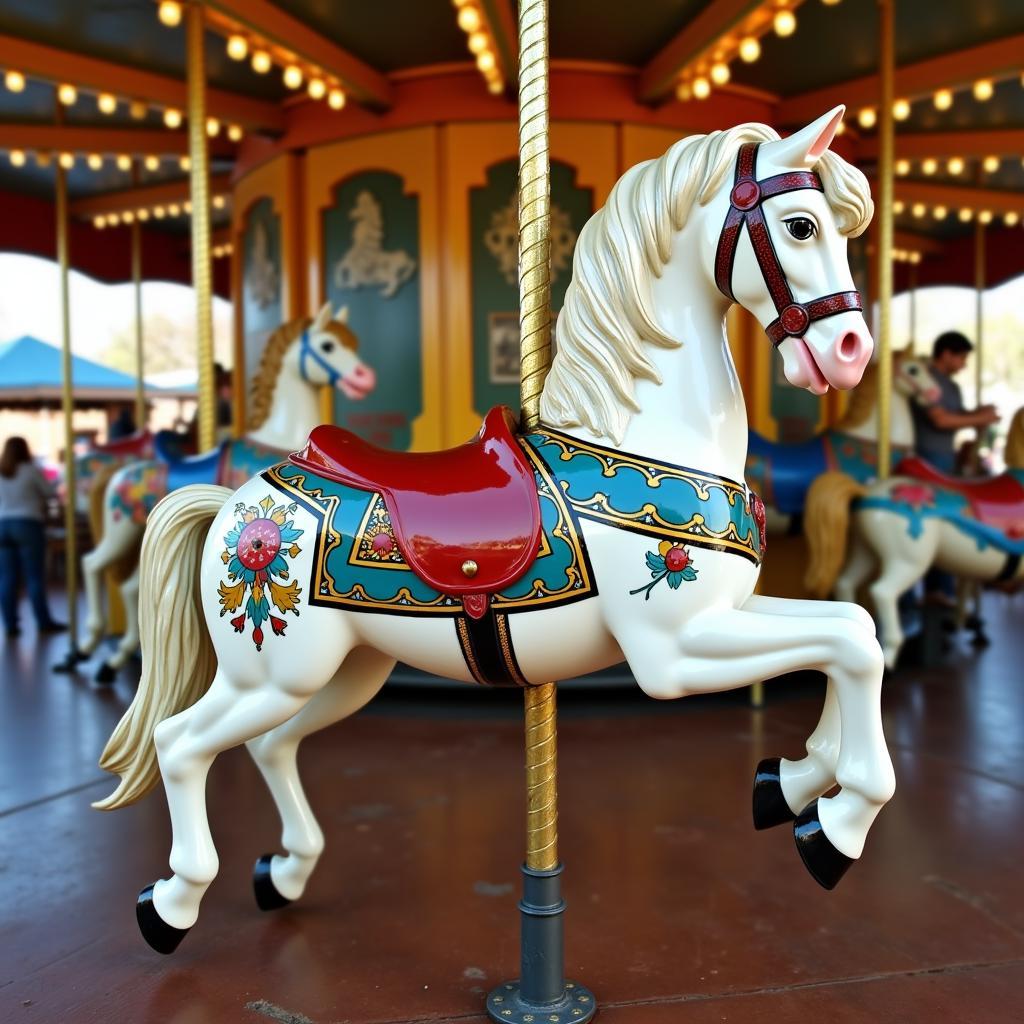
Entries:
{"x":745,"y":200}
{"x":306,"y":351}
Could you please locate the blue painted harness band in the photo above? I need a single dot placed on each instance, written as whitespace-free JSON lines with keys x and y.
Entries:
{"x":306,"y":351}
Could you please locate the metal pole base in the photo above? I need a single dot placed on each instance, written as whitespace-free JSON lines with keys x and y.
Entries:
{"x":71,"y":661}
{"x":541,"y":994}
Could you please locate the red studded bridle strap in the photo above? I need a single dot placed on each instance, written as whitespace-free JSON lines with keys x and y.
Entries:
{"x":745,"y":202}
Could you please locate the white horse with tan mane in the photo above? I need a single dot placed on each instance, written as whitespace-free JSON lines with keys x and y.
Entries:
{"x":893,"y":531}
{"x":629,"y":531}
{"x":300,"y":358}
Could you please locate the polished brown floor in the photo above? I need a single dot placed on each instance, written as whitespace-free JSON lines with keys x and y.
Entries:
{"x":679,"y":911}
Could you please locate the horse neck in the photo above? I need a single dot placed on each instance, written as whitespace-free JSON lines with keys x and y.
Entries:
{"x":901,"y":423}
{"x":696,"y":416}
{"x":294,"y":411}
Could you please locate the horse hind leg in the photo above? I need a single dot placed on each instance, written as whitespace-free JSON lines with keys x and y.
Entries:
{"x":129,"y":643}
{"x":187,"y":743}
{"x":278,"y":880}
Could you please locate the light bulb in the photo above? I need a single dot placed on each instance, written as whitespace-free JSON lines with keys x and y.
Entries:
{"x":1011,"y":218}
{"x":95,"y":161}
{"x":469,"y":19}
{"x":261,"y":62}
{"x":985,"y":217}
{"x":128,"y":216}
{"x":292,"y":76}
{"x":939,"y":212}
{"x":750,"y":49}
{"x":720,"y":73}
{"x":169,"y":13}
{"x":237,"y":47}
{"x":235,"y":132}
{"x":151,"y":163}
{"x":67,"y":94}
{"x":173,"y":210}
{"x":701,"y":88}
{"x":107,"y":102}
{"x":898,"y":206}
{"x":336,"y":99}
{"x":990,"y":164}
{"x":867,"y":117}
{"x":159,"y":212}
{"x":495,"y":85}
{"x":185,"y":162}
{"x":901,"y":109}
{"x":15,"y":81}
{"x":478,"y":42}
{"x":317,"y":89}
{"x":930,"y":166}
{"x":212,"y":127}
{"x":485,"y":60}
{"x":43,"y":159}
{"x":919,"y":209}
{"x":124,"y":162}
{"x":142,"y":214}
{"x":684,"y":92}
{"x":219,"y":202}
{"x":137,"y":110}
{"x":983,"y":89}
{"x":784,"y":23}
{"x":17,"y":157}
{"x":99,"y":221}
{"x":955,"y":165}
{"x":172,"y":118}
{"x":943,"y":99}
{"x":902,"y":168}
{"x":66,"y":160}
{"x":113,"y":219}
{"x":965,"y":214}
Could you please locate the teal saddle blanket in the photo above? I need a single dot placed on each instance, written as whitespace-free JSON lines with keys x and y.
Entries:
{"x":357,"y":563}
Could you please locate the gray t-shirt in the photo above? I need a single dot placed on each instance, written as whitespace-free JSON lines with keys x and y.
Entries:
{"x":931,"y":443}
{"x":24,"y":495}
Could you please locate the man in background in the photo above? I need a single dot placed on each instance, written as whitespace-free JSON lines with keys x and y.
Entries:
{"x":935,"y":427}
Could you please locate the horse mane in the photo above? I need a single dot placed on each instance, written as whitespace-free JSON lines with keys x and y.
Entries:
{"x":864,"y":397}
{"x":1013,"y":455}
{"x":261,"y":391}
{"x":608,"y":317}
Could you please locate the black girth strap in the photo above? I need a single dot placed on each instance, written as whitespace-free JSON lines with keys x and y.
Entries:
{"x":487,"y":647}
{"x":745,"y":202}
{"x":1009,"y":570}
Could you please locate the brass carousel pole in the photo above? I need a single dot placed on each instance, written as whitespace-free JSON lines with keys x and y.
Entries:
{"x":979,"y":300}
{"x":886,"y":134}
{"x":541,"y":992}
{"x":202,"y":270}
{"x":140,"y":383}
{"x":913,"y":308}
{"x":68,"y":402}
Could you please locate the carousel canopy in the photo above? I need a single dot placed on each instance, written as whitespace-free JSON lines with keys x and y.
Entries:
{"x":104,"y":84}
{"x":31,"y":372}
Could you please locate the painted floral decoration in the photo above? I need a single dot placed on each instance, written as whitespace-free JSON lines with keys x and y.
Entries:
{"x":917,"y":496}
{"x":254,"y":552}
{"x":672,"y":563}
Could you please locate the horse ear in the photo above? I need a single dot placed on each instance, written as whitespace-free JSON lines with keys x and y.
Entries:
{"x":807,"y":146}
{"x":342,"y":315}
{"x":323,"y":318}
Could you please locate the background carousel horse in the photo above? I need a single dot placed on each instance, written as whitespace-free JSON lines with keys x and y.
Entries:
{"x":300,"y":357}
{"x":903,"y":526}
{"x":272,"y":612}
{"x":782,"y":473}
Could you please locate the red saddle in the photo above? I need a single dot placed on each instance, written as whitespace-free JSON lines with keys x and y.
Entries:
{"x":996,"y":501}
{"x":133,"y":444}
{"x":467,"y":519}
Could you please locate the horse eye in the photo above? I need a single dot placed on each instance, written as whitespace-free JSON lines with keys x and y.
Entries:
{"x":801,"y":228}
{"x":912,"y":370}
{"x":326,"y":346}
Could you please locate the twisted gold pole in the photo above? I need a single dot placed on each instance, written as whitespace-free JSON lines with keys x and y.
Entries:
{"x":68,"y":402}
{"x":140,"y":383}
{"x":200,"y":195}
{"x":886,"y":132}
{"x":535,"y":355}
{"x":979,"y":305}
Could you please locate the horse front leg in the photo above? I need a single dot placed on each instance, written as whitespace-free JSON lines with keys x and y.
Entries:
{"x":722,"y":649}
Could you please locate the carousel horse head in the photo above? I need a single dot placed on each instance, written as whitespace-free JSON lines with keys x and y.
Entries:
{"x":741,"y":213}
{"x":912,"y":377}
{"x":321,"y":352}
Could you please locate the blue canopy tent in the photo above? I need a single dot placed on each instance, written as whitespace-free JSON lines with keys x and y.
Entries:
{"x":31,"y":374}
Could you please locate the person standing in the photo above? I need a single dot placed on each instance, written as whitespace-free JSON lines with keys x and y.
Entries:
{"x":935,"y":427}
{"x":24,"y":492}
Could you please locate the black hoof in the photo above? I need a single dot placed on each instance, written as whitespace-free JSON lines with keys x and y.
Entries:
{"x":163,"y":937}
{"x":770,"y":807}
{"x":825,"y":863}
{"x":267,"y":896}
{"x":106,"y":673}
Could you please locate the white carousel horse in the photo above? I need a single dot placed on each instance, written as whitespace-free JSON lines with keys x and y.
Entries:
{"x":300,"y":357}
{"x":272,"y":612}
{"x":782,"y":473}
{"x":901,"y":527}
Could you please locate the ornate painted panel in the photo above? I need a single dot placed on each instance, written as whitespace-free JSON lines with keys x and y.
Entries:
{"x":494,"y":272}
{"x":262,"y":308}
{"x":371,"y":263}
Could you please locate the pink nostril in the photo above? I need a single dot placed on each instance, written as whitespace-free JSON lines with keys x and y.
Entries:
{"x":849,"y":347}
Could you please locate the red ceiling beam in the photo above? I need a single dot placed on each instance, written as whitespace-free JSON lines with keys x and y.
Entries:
{"x":998,"y":59}
{"x":271,"y":22}
{"x":1000,"y":142}
{"x":956,"y":197}
{"x":144,"y":196}
{"x":73,"y":139}
{"x":923,"y":244}
{"x":37,"y":60}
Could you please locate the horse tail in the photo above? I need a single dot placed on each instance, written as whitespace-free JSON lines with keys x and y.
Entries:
{"x":178,"y":661}
{"x":827,"y":528}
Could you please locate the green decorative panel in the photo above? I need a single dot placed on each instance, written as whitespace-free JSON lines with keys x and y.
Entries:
{"x":261,"y":281}
{"x":494,"y":272}
{"x":371,"y":264}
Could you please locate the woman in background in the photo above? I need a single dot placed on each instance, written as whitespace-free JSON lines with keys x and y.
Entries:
{"x":23,"y":496}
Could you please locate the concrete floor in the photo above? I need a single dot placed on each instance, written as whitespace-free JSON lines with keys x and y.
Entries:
{"x":678,"y":910}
